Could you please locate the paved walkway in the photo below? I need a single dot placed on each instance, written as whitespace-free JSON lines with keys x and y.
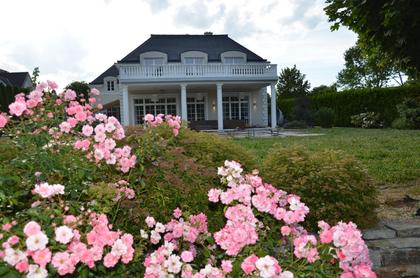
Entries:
{"x":263,"y":133}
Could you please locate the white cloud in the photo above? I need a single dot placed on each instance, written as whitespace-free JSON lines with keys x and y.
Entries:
{"x":79,"y":39}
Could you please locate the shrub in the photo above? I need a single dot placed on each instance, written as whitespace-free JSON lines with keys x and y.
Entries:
{"x":367,"y":120}
{"x":355,"y":101}
{"x":295,"y":125}
{"x":331,"y":183}
{"x":179,"y":172}
{"x":409,"y":111}
{"x":325,"y":117}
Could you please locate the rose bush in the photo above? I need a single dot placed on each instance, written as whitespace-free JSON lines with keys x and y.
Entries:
{"x":76,"y":189}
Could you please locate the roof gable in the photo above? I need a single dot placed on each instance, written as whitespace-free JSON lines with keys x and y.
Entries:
{"x":111,"y":71}
{"x":16,"y":79}
{"x":174,"y":45}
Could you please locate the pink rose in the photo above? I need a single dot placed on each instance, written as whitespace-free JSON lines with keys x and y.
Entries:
{"x":3,"y":120}
{"x":31,"y":228}
{"x":187,"y":256}
{"x":248,"y":265}
{"x":227,"y":266}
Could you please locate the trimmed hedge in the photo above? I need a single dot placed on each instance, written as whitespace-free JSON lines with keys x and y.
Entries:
{"x":355,"y":101}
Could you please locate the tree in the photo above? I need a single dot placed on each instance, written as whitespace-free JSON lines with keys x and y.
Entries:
{"x":81,"y":88}
{"x":367,"y":68}
{"x":35,"y":75}
{"x":391,"y":26}
{"x":323,"y":89}
{"x":292,"y":83}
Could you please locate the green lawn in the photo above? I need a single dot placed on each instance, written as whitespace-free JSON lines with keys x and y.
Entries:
{"x":391,"y":156}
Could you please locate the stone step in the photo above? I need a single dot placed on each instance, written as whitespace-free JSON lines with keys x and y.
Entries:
{"x":394,"y":243}
{"x":405,"y":271}
{"x":404,"y":229}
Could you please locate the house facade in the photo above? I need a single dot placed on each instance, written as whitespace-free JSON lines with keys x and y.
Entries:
{"x":211,"y":81}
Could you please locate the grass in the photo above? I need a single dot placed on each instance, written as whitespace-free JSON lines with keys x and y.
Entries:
{"x":390,"y":156}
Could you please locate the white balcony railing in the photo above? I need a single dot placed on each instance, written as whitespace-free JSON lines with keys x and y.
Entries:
{"x":257,"y":71}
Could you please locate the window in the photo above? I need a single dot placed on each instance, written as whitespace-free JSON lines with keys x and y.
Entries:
{"x":236,"y":108}
{"x":153,"y":61}
{"x":195,"y":109}
{"x":110,"y":85}
{"x":194,"y":60}
{"x":234,"y":60}
{"x":113,"y":111}
{"x":162,"y":105}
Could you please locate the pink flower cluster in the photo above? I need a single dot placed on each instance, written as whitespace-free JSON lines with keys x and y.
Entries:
{"x":123,"y":191}
{"x":47,"y":191}
{"x":305,"y":247}
{"x":169,"y":258}
{"x":239,"y":231}
{"x":39,"y":254}
{"x":25,"y":105}
{"x":164,"y":262}
{"x":251,"y":192}
{"x":265,"y":267}
{"x":174,"y":122}
{"x":98,"y":138}
{"x":350,"y":248}
{"x":99,"y":133}
{"x":3,"y":119}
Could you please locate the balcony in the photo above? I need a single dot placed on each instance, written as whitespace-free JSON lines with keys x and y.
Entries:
{"x":206,"y":72}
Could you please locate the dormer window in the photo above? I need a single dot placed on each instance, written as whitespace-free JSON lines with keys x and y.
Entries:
{"x":234,"y":60}
{"x":194,"y":60}
{"x":153,"y":61}
{"x":110,"y":85}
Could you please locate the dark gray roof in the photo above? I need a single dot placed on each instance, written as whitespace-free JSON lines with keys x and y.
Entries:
{"x":16,"y":79}
{"x":112,"y":71}
{"x":174,"y":45}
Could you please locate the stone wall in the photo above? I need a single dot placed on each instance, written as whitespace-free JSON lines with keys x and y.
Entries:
{"x":395,"y":249}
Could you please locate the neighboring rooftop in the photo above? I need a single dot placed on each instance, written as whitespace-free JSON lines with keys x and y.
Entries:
{"x":16,"y":79}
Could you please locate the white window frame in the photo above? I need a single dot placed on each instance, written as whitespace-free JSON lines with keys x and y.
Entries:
{"x":204,"y":102}
{"x":153,"y":61}
{"x":239,"y":102}
{"x":234,"y":60}
{"x":110,"y":85}
{"x":151,"y":96}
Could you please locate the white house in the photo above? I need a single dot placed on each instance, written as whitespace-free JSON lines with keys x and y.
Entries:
{"x":209,"y":80}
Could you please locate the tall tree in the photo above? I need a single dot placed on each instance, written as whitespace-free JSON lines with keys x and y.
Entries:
{"x":367,"y":68}
{"x":390,"y":25}
{"x":35,"y":75}
{"x":81,"y":88}
{"x":292,"y":82}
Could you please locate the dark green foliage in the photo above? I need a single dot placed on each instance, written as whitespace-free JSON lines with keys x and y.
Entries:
{"x":179,"y":172}
{"x":292,"y":83}
{"x":367,"y":68}
{"x":331,"y":183}
{"x":81,"y":88}
{"x":324,"y":117}
{"x":323,"y":89}
{"x":392,"y":26}
{"x":7,"y":96}
{"x":355,"y":101}
{"x":295,"y":125}
{"x":409,"y":112}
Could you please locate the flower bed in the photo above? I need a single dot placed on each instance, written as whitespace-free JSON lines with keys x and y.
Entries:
{"x":80,"y":228}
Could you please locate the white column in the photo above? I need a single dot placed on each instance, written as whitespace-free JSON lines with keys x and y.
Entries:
{"x":273,"y":106}
{"x":126,"y":106}
{"x":184,"y":114}
{"x":219,"y":107}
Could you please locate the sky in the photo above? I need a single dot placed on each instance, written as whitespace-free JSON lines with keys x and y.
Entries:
{"x":79,"y":39}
